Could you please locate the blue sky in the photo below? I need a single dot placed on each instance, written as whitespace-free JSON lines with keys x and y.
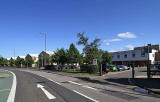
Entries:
{"x":120,"y":24}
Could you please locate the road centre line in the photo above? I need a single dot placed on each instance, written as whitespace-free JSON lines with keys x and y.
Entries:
{"x":85,"y":96}
{"x":75,"y":83}
{"x":51,"y":80}
{"x":54,"y":81}
{"x":86,"y":86}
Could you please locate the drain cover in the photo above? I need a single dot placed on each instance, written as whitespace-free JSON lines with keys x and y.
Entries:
{"x":141,"y":90}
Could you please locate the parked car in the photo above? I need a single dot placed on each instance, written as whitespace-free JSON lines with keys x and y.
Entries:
{"x":113,"y":68}
{"x":119,"y":67}
{"x":122,"y":67}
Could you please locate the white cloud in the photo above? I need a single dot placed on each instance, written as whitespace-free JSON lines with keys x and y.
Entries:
{"x":112,"y":40}
{"x":126,"y":48}
{"x":129,"y":47}
{"x":115,"y":40}
{"x":127,"y":35}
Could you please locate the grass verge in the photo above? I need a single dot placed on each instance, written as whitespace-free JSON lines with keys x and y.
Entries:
{"x":77,"y":71}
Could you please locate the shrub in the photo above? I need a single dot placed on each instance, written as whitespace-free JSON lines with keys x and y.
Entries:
{"x":50,"y":67}
{"x":89,"y":68}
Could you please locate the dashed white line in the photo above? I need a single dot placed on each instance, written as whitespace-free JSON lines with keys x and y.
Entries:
{"x":51,"y":80}
{"x":85,"y":96}
{"x":75,"y":83}
{"x":86,"y":86}
{"x":55,"y":82}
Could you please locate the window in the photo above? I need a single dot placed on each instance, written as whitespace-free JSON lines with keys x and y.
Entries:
{"x":134,"y":55}
{"x":125,"y":56}
{"x":118,"y":56}
{"x":142,"y":53}
{"x":153,"y":55}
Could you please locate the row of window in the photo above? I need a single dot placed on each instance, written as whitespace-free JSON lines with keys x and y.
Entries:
{"x":133,"y":55}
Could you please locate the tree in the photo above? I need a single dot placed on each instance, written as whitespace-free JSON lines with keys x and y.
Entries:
{"x":73,"y":55}
{"x":106,"y":57}
{"x":90,"y":50}
{"x":60,"y":56}
{"x":12,"y":62}
{"x":3,"y":61}
{"x":19,"y":62}
{"x":29,"y":62}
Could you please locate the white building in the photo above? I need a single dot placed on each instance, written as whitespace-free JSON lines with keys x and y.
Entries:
{"x":136,"y":57}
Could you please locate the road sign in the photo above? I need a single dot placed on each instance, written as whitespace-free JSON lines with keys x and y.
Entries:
{"x":94,"y":61}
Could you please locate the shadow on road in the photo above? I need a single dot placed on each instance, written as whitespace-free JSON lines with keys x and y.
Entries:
{"x":123,"y":81}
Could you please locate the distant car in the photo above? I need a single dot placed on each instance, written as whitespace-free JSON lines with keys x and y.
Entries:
{"x":113,"y":68}
{"x":122,"y":67}
{"x":119,"y":67}
{"x":129,"y":67}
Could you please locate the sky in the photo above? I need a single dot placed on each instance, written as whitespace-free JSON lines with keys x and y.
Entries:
{"x":120,"y":24}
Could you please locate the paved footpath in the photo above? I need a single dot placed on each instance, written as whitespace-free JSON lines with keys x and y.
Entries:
{"x":5,"y":85}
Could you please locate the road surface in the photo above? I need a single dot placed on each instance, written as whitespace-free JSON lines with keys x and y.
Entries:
{"x":39,"y":86}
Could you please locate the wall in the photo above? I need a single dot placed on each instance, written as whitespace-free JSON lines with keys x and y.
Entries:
{"x":138,"y":56}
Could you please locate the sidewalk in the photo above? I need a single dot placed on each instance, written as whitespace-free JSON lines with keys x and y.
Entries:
{"x":152,"y":85}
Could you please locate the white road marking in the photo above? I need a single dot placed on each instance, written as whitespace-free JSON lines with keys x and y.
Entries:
{"x":42,"y":76}
{"x":51,"y":80}
{"x":55,"y":82}
{"x":75,"y":83}
{"x":85,"y":96}
{"x":12,"y":93}
{"x":49,"y":95}
{"x":86,"y":86}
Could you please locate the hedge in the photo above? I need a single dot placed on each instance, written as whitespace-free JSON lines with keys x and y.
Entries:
{"x":89,"y":68}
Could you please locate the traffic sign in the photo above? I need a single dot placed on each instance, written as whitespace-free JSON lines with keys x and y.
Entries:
{"x":94,"y":61}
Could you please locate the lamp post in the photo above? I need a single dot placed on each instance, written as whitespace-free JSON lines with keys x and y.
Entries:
{"x":45,"y":47}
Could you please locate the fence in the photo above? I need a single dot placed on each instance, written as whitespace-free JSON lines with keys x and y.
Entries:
{"x":153,"y":70}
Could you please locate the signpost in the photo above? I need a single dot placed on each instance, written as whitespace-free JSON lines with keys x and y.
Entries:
{"x":94,"y":61}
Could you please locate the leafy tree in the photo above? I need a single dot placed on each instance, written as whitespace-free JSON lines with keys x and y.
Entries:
{"x":29,"y":62}
{"x":37,"y":63}
{"x":90,"y":50}
{"x":12,"y":62}
{"x":3,"y":61}
{"x":106,"y":57}
{"x":19,"y":61}
{"x":73,"y":55}
{"x":60,"y":56}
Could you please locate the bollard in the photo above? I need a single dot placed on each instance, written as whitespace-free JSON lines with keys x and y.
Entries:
{"x":101,"y":70}
{"x":133,"y":72}
{"x":148,"y":71}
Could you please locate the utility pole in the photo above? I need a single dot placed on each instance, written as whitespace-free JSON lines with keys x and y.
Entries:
{"x":14,"y":57}
{"x":44,"y":46}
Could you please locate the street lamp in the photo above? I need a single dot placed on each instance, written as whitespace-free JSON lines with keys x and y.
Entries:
{"x":45,"y":47}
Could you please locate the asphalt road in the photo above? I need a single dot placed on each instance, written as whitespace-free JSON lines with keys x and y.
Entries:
{"x":27,"y":90}
{"x":70,"y":89}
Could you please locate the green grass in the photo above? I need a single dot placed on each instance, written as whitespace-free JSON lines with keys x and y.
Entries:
{"x":77,"y":71}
